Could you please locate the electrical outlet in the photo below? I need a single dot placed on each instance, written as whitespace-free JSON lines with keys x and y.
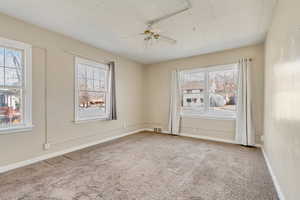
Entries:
{"x":47,"y":146}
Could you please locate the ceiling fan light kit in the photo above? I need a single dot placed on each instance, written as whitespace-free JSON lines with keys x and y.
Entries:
{"x":151,"y":35}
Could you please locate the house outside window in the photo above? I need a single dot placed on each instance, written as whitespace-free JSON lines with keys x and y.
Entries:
{"x":210,"y":92}
{"x":15,"y":86}
{"x":91,"y":90}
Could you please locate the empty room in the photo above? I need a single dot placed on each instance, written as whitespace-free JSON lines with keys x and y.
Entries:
{"x":149,"y":100}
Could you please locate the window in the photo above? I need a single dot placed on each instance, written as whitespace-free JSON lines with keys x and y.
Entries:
{"x":193,"y":87}
{"x":210,"y":91}
{"x":15,"y":86}
{"x":92,"y":90}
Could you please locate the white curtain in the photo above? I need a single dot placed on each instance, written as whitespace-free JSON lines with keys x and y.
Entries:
{"x":245,"y":133}
{"x":175,"y":103}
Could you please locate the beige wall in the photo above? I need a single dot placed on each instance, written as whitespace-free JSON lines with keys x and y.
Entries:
{"x":158,"y":84}
{"x":52,"y":60}
{"x":282,"y":97}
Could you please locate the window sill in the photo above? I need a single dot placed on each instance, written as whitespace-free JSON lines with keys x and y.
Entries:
{"x":25,"y":128}
{"x":210,"y":117}
{"x":80,"y":121}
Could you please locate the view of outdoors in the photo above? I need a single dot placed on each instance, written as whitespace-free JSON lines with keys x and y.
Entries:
{"x":223,"y":90}
{"x":11,"y":85}
{"x":220,"y":90}
{"x":92,"y":87}
{"x":193,"y":87}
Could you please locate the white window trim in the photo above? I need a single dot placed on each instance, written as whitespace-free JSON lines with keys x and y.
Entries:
{"x":27,"y":92}
{"x":208,"y":114}
{"x":78,"y":119}
{"x":16,"y":129}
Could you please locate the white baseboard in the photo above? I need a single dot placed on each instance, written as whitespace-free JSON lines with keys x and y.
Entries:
{"x":199,"y":137}
{"x":275,"y":180}
{"x":149,"y":129}
{"x":59,"y":153}
{"x":203,"y":137}
{"x":208,"y":138}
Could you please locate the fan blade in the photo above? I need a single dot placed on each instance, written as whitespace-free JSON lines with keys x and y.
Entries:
{"x":168,"y":39}
{"x":131,"y":36}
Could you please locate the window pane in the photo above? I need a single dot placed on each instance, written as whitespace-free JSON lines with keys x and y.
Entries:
{"x":97,"y":86}
{"x":90,"y":86}
{"x":99,"y":74}
{"x":223,"y":90}
{"x":10,"y":107}
{"x":89,"y":72}
{"x":1,"y":56}
{"x":1,"y":76}
{"x":13,"y":58}
{"x":193,"y":86}
{"x":13,"y":77}
{"x":92,"y":100}
{"x":82,"y":84}
{"x":102,"y":84}
{"x":81,"y":71}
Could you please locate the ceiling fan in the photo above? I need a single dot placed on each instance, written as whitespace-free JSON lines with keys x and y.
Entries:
{"x":150,"y":34}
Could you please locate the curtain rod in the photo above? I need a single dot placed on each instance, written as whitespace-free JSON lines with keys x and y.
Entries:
{"x":212,"y":65}
{"x":205,"y":66}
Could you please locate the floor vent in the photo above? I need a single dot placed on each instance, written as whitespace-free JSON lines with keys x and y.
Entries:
{"x":157,"y":130}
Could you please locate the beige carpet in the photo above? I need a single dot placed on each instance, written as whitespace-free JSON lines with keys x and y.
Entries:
{"x":145,"y":166}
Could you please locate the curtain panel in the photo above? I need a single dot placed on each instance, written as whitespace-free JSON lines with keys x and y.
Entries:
{"x":245,"y":131}
{"x":175,"y":103}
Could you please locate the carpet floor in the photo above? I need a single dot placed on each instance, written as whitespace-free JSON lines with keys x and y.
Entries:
{"x":145,"y":166}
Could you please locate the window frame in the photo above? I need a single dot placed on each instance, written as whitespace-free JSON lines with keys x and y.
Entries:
{"x":207,"y":113}
{"x":91,"y":115}
{"x":27,"y":85}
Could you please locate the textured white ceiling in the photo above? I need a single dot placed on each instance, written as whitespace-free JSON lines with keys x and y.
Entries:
{"x":211,"y":25}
